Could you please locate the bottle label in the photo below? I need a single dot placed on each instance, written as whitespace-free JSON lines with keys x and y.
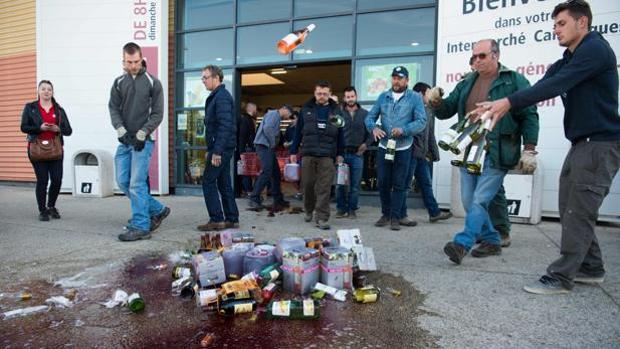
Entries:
{"x":270,"y":287}
{"x":243,"y":308}
{"x":448,"y":136}
{"x":464,"y":143}
{"x":308,"y":307}
{"x":289,"y":39}
{"x":274,"y":274}
{"x":370,"y":298}
{"x":282,"y":308}
{"x":472,"y":153}
{"x":391,"y":144}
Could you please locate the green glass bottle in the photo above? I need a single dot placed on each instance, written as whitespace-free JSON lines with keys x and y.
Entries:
{"x":135,"y":303}
{"x":475,"y":159}
{"x":459,"y":160}
{"x":468,"y":135}
{"x":450,"y":135}
{"x":368,"y":294}
{"x":270,"y":273}
{"x":235,"y":307}
{"x":307,"y":309}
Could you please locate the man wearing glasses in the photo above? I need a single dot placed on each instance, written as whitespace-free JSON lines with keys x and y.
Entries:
{"x":220,"y":136}
{"x":490,"y":80}
{"x":586,"y":78}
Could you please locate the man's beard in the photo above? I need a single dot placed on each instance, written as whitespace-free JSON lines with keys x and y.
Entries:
{"x":351,"y":104}
{"x":398,"y":89}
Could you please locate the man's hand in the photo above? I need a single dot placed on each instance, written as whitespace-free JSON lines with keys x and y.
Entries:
{"x":527,"y":163}
{"x":216,"y":160}
{"x":339,"y":160}
{"x":293,"y":158}
{"x":140,"y":140}
{"x":123,"y":136}
{"x":378,"y":133}
{"x":397,"y":132}
{"x":361,"y":149}
{"x":434,"y":96}
{"x":497,"y":108}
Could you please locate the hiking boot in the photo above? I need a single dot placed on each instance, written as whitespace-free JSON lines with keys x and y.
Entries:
{"x":322,"y":224}
{"x":546,"y":285}
{"x":584,"y":278}
{"x":506,"y":241}
{"x":353,"y":215}
{"x":406,"y":222}
{"x":44,"y":216}
{"x":231,"y":225}
{"x":382,"y":222}
{"x":132,"y":234}
{"x":254,"y":206}
{"x":308,"y":217}
{"x":455,"y":252}
{"x":395,"y":224}
{"x":53,"y":212}
{"x":440,"y":217}
{"x":158,"y":218}
{"x":212,"y":226}
{"x":341,"y":214}
{"x":485,"y":250}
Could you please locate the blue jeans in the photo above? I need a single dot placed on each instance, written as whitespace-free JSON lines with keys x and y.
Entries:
{"x":218,"y":179}
{"x":391,"y":176}
{"x":347,"y":202}
{"x":132,"y":170}
{"x":420,"y":169}
{"x":269,"y":173}
{"x":477,"y":191}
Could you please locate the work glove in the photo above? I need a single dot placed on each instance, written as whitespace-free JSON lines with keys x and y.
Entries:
{"x":140,"y":140}
{"x":527,"y":163}
{"x":124,"y":137}
{"x":434,"y":96}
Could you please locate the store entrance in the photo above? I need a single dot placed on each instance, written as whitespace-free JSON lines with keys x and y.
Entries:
{"x":271,"y":87}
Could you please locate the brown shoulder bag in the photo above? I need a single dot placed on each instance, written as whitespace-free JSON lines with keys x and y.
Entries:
{"x":46,"y":149}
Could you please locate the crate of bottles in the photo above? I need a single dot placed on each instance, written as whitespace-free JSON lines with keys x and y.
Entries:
{"x":209,"y":268}
{"x":336,"y":267}
{"x":300,"y":266}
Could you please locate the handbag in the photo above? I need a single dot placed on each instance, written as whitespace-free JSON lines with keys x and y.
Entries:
{"x":46,"y":149}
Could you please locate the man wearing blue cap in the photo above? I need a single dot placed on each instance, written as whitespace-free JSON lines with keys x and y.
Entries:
{"x":398,"y":114}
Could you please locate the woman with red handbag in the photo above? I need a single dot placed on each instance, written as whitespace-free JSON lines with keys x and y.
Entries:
{"x":46,"y":123}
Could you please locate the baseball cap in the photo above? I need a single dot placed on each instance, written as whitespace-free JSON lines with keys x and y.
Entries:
{"x":400,"y":71}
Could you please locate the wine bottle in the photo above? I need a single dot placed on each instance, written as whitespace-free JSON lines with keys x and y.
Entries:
{"x":290,"y":42}
{"x":450,"y":135}
{"x":390,"y":151}
{"x":475,"y":159}
{"x":135,"y":303}
{"x":270,"y":273}
{"x":232,"y":308}
{"x":308,"y":309}
{"x":368,"y":294}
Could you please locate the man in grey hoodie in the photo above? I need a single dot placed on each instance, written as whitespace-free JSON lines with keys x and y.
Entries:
{"x":136,"y":110}
{"x":265,"y":142}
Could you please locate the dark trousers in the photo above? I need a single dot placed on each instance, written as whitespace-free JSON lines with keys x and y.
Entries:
{"x":392,"y":178}
{"x":270,"y":173}
{"x":47,"y":171}
{"x":586,"y":176}
{"x":218,"y":179}
{"x":317,"y":176}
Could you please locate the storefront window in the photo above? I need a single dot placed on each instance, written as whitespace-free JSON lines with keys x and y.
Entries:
{"x":205,"y":14}
{"x":373,"y":76}
{"x":304,"y":8}
{"x":209,"y":47}
{"x":257,"y":43}
{"x":396,"y":32}
{"x":191,"y":129}
{"x":363,"y":5}
{"x":262,"y":10}
{"x":192,"y":93}
{"x":331,"y":38}
{"x":190,"y":166}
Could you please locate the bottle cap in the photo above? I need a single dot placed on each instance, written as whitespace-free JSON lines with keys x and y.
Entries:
{"x":311,"y":27}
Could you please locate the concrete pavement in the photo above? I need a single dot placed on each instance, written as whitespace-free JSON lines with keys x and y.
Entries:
{"x":478,"y":304}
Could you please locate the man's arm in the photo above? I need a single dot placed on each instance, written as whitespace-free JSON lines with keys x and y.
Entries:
{"x":225,"y":123}
{"x":114,"y":106}
{"x":271,"y":128}
{"x":297,"y":135}
{"x":418,"y":120}
{"x":449,"y":105}
{"x":157,"y":109}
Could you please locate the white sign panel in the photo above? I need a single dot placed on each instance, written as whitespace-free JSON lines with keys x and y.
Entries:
{"x":524,"y":30}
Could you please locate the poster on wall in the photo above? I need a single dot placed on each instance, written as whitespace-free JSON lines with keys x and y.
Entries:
{"x":524,"y":31}
{"x":376,"y":78}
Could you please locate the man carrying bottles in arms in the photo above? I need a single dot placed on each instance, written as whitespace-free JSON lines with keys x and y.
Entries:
{"x":397,"y":115}
{"x":482,"y":179}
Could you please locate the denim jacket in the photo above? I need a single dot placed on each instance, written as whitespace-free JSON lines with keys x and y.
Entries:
{"x":407,"y":113}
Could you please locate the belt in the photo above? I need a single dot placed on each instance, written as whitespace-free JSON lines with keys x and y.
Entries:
{"x":592,"y":139}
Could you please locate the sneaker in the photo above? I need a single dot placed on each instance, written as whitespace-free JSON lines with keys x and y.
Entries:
{"x":321,"y":224}
{"x":341,"y":214}
{"x":308,"y":217}
{"x":406,"y":222}
{"x":584,"y":278}
{"x":442,"y":216}
{"x":53,"y":212}
{"x":382,"y":222}
{"x":44,"y":216}
{"x":231,"y":225}
{"x":158,"y":218}
{"x":455,"y":252}
{"x":546,"y":285}
{"x":485,"y":250}
{"x":254,"y":206}
{"x":132,"y":234}
{"x":395,"y":224}
{"x":353,"y":215}
{"x":506,"y":240}
{"x":212,"y":226}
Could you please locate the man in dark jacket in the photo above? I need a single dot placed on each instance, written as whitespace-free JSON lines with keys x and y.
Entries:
{"x":220,"y":136}
{"x":587,"y":80}
{"x":322,"y":142}
{"x":245,"y":140}
{"x":356,"y":141}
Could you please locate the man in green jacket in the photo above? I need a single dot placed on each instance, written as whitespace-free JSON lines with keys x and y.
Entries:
{"x":489,"y":81}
